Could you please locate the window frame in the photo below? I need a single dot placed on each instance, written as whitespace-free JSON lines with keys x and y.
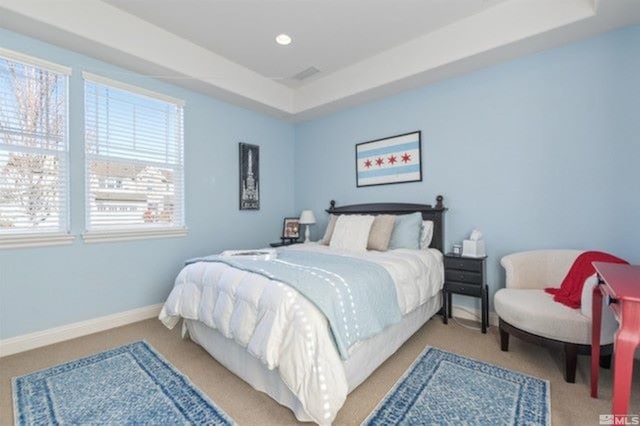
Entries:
{"x":134,"y":232}
{"x":62,"y":235}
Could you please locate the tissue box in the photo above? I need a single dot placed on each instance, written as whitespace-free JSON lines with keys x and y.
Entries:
{"x":472,"y":248}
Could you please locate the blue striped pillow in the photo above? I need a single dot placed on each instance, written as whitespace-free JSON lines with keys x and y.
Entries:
{"x":406,"y":232}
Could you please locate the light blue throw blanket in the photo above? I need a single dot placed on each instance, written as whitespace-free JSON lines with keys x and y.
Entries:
{"x":358,"y":297}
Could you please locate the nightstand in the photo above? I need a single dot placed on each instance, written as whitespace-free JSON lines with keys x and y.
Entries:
{"x":466,"y":276}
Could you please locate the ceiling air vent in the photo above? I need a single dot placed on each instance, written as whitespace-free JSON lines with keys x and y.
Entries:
{"x":306,"y":73}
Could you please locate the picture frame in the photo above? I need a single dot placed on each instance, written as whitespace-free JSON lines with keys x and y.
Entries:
{"x":249,"y":167}
{"x":291,"y":228}
{"x":390,"y":160}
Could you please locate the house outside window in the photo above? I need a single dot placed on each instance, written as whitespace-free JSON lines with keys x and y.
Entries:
{"x":133,"y":160}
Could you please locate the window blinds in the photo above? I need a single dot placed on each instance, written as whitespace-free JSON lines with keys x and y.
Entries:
{"x":34,"y":185}
{"x":133,"y":157}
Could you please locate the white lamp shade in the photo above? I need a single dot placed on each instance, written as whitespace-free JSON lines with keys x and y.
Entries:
{"x":307,"y":217}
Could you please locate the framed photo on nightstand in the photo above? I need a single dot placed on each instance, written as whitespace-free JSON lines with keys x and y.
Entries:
{"x":291,"y":228}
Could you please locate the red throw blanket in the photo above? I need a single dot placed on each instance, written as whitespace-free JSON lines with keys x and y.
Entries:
{"x":570,"y":291}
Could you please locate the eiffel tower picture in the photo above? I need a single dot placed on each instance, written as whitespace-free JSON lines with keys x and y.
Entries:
{"x":249,"y":177}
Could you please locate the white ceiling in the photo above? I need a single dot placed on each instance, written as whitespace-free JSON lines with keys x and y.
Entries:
{"x":365,"y":49}
{"x":327,"y":34}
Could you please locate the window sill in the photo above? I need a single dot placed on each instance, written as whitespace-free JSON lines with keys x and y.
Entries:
{"x":106,"y":236}
{"x":35,"y":240}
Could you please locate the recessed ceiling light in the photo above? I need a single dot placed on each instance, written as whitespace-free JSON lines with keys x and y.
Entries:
{"x":283,"y":39}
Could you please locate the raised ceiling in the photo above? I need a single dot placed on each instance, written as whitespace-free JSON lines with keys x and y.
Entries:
{"x":364,"y":49}
{"x":327,"y":34}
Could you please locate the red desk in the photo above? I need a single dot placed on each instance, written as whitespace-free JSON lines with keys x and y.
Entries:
{"x":621,"y":284}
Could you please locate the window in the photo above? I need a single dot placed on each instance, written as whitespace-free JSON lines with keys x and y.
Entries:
{"x":133,"y":162}
{"x":34,"y":184}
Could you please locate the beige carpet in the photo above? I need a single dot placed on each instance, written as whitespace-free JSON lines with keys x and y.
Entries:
{"x":571,"y":404}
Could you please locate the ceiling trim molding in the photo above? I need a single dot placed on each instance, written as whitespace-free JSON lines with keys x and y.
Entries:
{"x":499,"y":26}
{"x":94,"y":20}
{"x":505,"y":31}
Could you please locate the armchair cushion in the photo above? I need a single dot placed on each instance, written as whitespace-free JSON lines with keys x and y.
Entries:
{"x":538,"y":269}
{"x":535,"y":312}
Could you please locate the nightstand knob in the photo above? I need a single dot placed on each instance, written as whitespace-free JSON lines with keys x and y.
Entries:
{"x":460,"y":265}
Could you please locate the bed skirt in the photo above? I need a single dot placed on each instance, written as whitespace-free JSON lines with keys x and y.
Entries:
{"x":364,"y":357}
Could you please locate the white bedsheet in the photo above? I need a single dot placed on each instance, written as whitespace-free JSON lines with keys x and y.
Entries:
{"x":281,"y":328}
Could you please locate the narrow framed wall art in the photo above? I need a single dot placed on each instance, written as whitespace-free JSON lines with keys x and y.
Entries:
{"x":249,"y":177}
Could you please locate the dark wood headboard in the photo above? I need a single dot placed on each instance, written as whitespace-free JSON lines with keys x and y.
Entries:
{"x":435,"y":214}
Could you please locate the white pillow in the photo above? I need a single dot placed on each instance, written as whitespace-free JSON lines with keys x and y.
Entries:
{"x":427,"y":234}
{"x":351,"y":232}
{"x":329,"y":231}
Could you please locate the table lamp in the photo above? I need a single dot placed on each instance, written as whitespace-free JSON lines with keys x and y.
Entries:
{"x":307,"y":218}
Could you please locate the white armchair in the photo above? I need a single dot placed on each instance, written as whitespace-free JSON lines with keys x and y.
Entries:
{"x":526,"y":311}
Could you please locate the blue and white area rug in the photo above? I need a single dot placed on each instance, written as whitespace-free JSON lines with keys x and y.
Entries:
{"x":442,"y":388}
{"x":132,"y":384}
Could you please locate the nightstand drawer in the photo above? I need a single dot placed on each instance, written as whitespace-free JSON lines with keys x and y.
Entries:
{"x":463,"y":276}
{"x":463,"y":263}
{"x":461,"y":288}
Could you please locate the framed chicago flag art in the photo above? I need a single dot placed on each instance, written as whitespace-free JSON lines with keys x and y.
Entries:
{"x":396,"y":159}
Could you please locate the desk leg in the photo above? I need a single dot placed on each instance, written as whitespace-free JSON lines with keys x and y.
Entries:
{"x":626,"y":341}
{"x":596,"y":321}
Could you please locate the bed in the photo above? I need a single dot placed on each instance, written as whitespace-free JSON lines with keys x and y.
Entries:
{"x":277,"y":340}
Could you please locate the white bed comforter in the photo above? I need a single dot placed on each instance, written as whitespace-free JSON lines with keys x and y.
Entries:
{"x":282,"y":328}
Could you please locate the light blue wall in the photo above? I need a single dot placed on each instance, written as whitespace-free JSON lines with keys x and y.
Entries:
{"x":46,"y":287}
{"x":539,"y":152}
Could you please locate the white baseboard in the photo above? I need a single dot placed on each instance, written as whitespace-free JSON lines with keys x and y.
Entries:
{"x":14,"y":345}
{"x":464,"y":312}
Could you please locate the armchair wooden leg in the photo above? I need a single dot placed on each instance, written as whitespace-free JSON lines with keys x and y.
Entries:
{"x":445,"y":308}
{"x":504,"y":340}
{"x":571,"y":360}
{"x":605,"y":361}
